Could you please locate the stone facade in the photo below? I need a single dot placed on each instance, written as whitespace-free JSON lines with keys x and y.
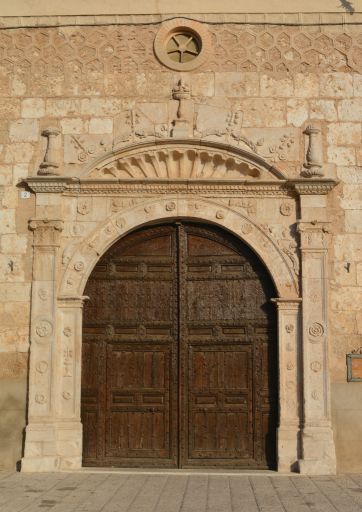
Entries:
{"x":98,"y":136}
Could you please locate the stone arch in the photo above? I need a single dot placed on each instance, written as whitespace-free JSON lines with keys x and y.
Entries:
{"x":85,"y":255}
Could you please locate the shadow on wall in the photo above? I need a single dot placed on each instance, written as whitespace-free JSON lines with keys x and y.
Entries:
{"x":347,"y":6}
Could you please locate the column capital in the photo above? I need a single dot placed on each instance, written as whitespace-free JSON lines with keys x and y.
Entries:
{"x":286,"y":303}
{"x":46,"y":231}
{"x":71,"y":301}
{"x":314,"y":235}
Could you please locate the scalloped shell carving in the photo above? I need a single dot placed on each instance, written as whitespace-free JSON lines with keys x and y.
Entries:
{"x":180,"y":163}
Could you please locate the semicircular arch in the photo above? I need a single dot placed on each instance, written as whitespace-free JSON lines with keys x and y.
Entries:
{"x":84,"y":256}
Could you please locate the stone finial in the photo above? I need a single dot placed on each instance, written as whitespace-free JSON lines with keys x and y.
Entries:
{"x":181,"y":92}
{"x":49,"y":166}
{"x":312,"y":165}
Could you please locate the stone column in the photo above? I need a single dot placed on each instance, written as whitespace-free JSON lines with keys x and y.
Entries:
{"x":288,"y":436}
{"x":40,"y":433}
{"x":318,"y":450}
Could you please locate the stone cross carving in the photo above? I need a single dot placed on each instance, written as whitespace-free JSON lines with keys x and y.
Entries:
{"x":49,"y":166}
{"x":313,"y":164}
{"x":181,"y":92}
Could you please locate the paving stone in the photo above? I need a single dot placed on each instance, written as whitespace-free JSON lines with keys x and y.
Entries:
{"x":168,"y":491}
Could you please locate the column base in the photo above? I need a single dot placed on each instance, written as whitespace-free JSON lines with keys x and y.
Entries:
{"x":288,"y":442}
{"x":52,"y":447}
{"x":319,"y":455}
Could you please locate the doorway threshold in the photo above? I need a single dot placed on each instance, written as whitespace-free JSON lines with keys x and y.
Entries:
{"x":184,"y":472}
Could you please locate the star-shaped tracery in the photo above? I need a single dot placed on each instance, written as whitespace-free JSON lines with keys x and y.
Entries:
{"x":183,"y":47}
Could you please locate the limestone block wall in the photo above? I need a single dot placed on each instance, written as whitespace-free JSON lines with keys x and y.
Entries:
{"x":260,"y":87}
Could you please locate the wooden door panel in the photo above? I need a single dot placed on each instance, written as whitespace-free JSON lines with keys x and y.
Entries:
{"x":179,"y":353}
{"x":220,"y":396}
{"x":138,"y":424}
{"x":225,"y":364}
{"x":133,"y":306}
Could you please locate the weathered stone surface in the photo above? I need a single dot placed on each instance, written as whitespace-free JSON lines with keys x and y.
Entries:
{"x":336,"y":85}
{"x":100,"y":125}
{"x":343,"y":134}
{"x":297,"y":112}
{"x":232,"y":84}
{"x":33,"y":108}
{"x":323,"y":109}
{"x":24,"y":130}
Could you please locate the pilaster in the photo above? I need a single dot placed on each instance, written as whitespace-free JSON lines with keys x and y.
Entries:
{"x":41,"y":412}
{"x":290,"y":384}
{"x":318,"y":451}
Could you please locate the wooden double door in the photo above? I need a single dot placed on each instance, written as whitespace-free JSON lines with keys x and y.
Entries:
{"x":179,"y":359}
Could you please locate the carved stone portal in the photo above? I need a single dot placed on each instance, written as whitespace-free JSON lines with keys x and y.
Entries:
{"x":158,"y":182}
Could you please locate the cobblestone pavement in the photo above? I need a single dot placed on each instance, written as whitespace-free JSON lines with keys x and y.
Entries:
{"x":122,"y":491}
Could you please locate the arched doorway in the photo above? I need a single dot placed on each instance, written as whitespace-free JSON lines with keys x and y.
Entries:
{"x":179,"y":356}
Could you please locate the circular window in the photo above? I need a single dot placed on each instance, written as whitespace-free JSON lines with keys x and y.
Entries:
{"x":182,"y":45}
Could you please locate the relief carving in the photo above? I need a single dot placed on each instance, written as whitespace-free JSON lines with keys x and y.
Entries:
{"x":42,"y":367}
{"x":315,"y":366}
{"x":85,"y":64}
{"x":141,"y":122}
{"x":280,"y":151}
{"x":68,"y":362}
{"x":43,"y":328}
{"x":82,"y":148}
{"x":249,"y":205}
{"x":315,"y":395}
{"x":246,"y":228}
{"x":79,"y":266}
{"x":66,"y":395}
{"x":181,"y":161}
{"x":181,"y":125}
{"x":316,"y":330}
{"x":286,"y":209}
{"x":40,"y":399}
{"x":67,"y":331}
{"x":170,"y":206}
{"x":84,"y":206}
{"x":289,"y":328}
{"x":43,"y":294}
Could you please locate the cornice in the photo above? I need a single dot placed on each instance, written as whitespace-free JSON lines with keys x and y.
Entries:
{"x":314,"y":186}
{"x":75,"y":186}
{"x":256,"y":18}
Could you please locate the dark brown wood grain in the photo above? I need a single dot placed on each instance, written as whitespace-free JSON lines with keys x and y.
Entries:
{"x":179,"y":362}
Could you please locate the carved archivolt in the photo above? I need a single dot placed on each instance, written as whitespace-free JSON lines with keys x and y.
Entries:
{"x":91,"y":248}
{"x":182,"y":161}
